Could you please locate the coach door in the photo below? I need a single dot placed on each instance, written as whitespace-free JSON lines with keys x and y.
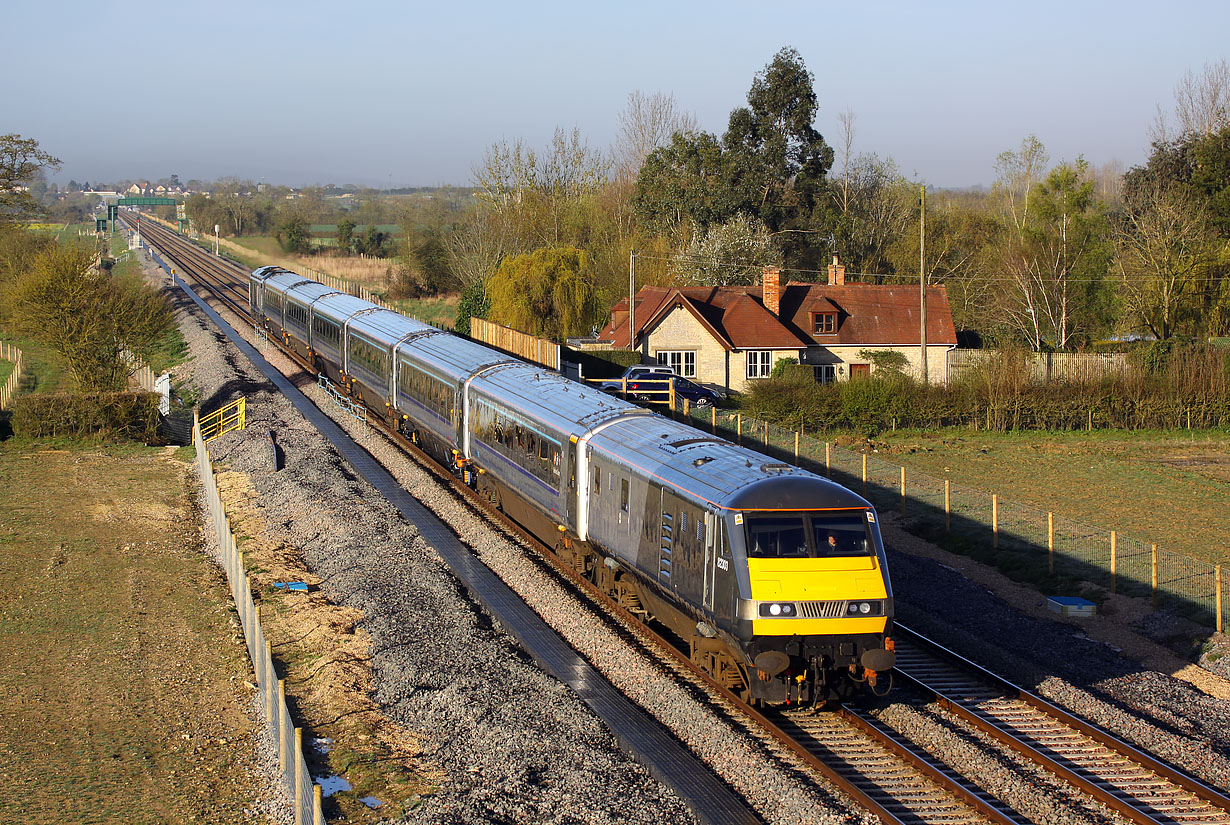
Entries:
{"x":668,"y":538}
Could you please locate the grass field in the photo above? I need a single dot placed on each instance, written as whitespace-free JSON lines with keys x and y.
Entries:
{"x":122,"y":681}
{"x":1172,"y":488}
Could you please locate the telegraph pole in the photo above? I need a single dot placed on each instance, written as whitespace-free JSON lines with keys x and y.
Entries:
{"x":632,"y":299}
{"x":922,"y":282}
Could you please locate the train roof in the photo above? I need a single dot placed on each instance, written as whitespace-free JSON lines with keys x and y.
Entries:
{"x":384,"y":326}
{"x":452,"y":356}
{"x":713,"y":470}
{"x":566,"y":406}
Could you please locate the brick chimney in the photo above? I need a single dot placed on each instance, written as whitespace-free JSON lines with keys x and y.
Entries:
{"x":772,"y":293}
{"x":837,"y":273}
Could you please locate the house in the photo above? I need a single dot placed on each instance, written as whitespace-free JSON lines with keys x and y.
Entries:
{"x":729,"y":337}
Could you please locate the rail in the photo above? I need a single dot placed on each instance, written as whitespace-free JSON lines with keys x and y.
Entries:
{"x":305,"y":795}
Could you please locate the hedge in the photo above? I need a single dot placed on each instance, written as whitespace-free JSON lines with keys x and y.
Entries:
{"x":130,"y":415}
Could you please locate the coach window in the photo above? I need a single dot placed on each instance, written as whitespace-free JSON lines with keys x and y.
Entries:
{"x":623,"y":494}
{"x":597,"y":481}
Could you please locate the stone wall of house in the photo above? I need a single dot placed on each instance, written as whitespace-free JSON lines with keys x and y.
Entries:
{"x":937,"y":359}
{"x":679,"y":330}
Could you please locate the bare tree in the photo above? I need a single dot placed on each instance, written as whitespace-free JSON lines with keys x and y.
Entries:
{"x":1163,"y":248}
{"x":646,"y":124}
{"x":846,"y":119}
{"x":1016,"y":174}
{"x":1201,"y":104}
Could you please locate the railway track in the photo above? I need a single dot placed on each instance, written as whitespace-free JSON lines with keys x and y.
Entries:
{"x":1130,"y":782}
{"x":887,"y":775}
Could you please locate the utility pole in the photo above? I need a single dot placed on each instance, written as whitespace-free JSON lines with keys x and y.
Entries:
{"x":922,"y":282}
{"x":632,"y":299}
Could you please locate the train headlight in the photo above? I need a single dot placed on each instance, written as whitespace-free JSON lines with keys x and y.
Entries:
{"x":778,"y":609}
{"x":865,"y":608}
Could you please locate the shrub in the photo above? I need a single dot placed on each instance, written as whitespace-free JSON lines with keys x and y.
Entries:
{"x":128,"y":415}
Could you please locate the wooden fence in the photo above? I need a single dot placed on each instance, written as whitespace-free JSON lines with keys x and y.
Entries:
{"x":526,"y":347}
{"x":10,"y":353}
{"x":1045,"y":366}
{"x":296,"y":778}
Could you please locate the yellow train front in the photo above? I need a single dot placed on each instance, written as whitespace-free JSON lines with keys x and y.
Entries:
{"x":815,"y":618}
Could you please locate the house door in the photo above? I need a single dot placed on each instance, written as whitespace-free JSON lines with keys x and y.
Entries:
{"x":860,"y":371}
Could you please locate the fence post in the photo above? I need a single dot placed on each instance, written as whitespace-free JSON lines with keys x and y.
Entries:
{"x":903,"y":489}
{"x":713,"y":417}
{"x":766,"y":435}
{"x":739,"y":428}
{"x":318,"y":816}
{"x":1114,"y":559}
{"x":828,"y":460}
{"x":1154,"y":564}
{"x":1217,"y":581}
{"x":796,"y":448}
{"x":864,"y":475}
{"x":270,"y":678}
{"x":995,"y":521}
{"x":947,"y":506}
{"x":298,"y":756}
{"x":281,"y":705}
{"x":1050,"y":543}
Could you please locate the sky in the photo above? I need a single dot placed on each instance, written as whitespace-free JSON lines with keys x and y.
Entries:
{"x":411,"y":94}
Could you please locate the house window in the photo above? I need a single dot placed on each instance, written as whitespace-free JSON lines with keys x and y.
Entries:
{"x":681,"y":361}
{"x":825,"y":323}
{"x":759,"y":363}
{"x":826,"y":373}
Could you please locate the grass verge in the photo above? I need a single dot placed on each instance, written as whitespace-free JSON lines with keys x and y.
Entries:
{"x":122,"y":686}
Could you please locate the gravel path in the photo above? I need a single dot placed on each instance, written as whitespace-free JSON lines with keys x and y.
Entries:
{"x":515,"y":745}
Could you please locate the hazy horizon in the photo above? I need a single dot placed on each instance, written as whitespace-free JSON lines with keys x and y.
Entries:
{"x":386,"y":95}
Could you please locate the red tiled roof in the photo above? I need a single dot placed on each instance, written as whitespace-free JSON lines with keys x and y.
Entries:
{"x":868,"y":314}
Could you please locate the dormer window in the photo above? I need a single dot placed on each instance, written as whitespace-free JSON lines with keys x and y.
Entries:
{"x":824,"y":323}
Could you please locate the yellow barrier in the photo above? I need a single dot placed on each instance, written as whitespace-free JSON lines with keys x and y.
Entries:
{"x":231,"y":417}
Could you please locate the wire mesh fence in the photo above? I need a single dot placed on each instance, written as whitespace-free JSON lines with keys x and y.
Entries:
{"x":1023,"y":541}
{"x":304,"y":795}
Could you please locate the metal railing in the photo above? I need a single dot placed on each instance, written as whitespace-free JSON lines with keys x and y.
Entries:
{"x":298,"y":782}
{"x":10,"y":353}
{"x":233,"y":416}
{"x":1014,"y":535}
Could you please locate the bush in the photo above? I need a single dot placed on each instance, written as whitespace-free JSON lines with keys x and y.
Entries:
{"x":129,"y":415}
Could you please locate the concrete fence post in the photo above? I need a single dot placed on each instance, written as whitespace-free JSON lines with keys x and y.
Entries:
{"x":298,"y":757}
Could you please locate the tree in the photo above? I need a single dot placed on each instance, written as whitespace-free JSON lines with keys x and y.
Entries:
{"x":92,"y":319}
{"x":1165,"y":246}
{"x":648,"y":122}
{"x":1201,"y":104}
{"x":735,"y":252}
{"x":1055,"y":255}
{"x":548,"y":292}
{"x":875,"y":208}
{"x":295,"y":235}
{"x":345,"y":234}
{"x":21,"y":164}
{"x":770,"y":164}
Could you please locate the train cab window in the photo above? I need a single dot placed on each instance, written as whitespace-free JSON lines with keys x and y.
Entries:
{"x":623,"y":494}
{"x":844,"y":536}
{"x":777,"y":537}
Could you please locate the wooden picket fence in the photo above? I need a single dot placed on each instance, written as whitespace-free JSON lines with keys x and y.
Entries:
{"x":10,"y":353}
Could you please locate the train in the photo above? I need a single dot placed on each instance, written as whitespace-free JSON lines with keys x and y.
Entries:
{"x":773,"y":577}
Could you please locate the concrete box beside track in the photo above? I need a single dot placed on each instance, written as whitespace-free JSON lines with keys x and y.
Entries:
{"x":1071,"y":606}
